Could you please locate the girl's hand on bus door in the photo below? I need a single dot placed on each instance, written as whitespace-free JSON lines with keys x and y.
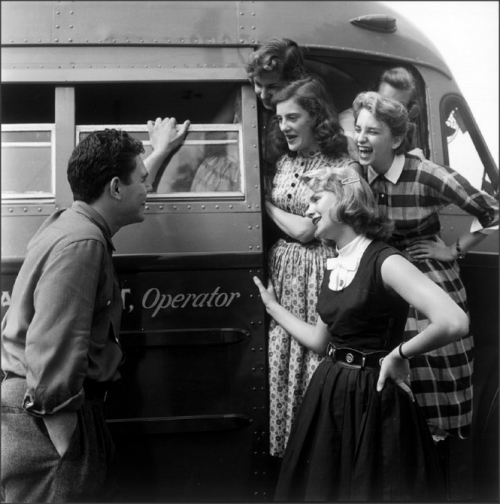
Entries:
{"x":268,"y":296}
{"x":164,"y":135}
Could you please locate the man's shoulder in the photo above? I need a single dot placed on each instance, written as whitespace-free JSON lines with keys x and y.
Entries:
{"x":67,"y":227}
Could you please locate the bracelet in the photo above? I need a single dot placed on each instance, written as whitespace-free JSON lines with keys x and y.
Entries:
{"x":460,"y":253}
{"x":401,"y":354}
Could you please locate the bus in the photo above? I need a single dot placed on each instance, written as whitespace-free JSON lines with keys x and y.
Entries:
{"x":190,"y":418}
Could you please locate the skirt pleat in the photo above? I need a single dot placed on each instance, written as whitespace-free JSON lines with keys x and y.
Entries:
{"x":350,"y":442}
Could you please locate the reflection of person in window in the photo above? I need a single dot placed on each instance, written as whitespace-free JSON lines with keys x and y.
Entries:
{"x":396,"y":84}
{"x":412,"y":192}
{"x":220,"y":170}
{"x":308,"y":137}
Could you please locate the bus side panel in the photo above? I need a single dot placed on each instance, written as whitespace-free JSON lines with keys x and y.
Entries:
{"x":190,"y":417}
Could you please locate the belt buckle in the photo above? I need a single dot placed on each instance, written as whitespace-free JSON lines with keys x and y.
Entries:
{"x":349,"y":358}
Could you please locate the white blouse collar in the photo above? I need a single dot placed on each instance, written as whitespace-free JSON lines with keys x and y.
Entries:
{"x":344,"y":267}
{"x":393,"y":173}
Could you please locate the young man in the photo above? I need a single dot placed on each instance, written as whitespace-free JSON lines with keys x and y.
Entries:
{"x":60,"y":347}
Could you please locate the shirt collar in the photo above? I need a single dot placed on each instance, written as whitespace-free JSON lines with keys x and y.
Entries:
{"x":355,"y":248}
{"x":392,"y":174}
{"x":86,"y":210}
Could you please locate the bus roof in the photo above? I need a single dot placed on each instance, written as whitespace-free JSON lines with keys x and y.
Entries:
{"x":360,"y":28}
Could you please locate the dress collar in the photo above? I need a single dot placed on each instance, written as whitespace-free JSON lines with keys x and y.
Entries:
{"x":355,"y":248}
{"x":310,"y":154}
{"x":394,"y":172}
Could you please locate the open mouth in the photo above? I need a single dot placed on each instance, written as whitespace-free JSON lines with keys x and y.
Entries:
{"x":364,"y":150}
{"x":316,"y":220}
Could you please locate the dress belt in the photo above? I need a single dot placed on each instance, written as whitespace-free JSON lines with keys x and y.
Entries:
{"x":356,"y":358}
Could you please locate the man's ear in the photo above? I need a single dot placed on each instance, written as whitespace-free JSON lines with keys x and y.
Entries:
{"x":115,"y":188}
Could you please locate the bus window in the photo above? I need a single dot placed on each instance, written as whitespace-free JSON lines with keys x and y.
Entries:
{"x":463,"y":146}
{"x":28,"y":163}
{"x":207,"y":163}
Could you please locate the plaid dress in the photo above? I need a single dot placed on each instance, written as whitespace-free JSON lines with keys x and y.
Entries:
{"x":441,"y":379}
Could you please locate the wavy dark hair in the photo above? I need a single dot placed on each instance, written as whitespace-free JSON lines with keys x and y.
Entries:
{"x":391,"y":112}
{"x":356,"y":204}
{"x":99,"y":158}
{"x":403,"y":79}
{"x":311,"y":95}
{"x":279,"y":54}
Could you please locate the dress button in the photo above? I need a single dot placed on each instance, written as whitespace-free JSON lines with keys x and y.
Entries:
{"x":296,"y":175}
{"x":289,"y":196}
{"x":108,"y":303}
{"x":293,"y":184}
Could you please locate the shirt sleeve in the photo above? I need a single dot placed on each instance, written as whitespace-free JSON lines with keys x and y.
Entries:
{"x":58,"y":338}
{"x":451,"y":187}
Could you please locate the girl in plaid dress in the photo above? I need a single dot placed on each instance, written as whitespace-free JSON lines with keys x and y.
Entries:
{"x":412,"y":192}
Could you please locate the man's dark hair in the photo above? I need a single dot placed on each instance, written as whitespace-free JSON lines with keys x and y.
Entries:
{"x":97,"y":159}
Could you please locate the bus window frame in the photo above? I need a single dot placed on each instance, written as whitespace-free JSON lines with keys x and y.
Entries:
{"x":32,"y":197}
{"x":488,"y":164}
{"x":204,"y":128}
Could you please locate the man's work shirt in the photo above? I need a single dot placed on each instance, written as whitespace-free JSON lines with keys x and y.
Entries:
{"x":63,"y":323}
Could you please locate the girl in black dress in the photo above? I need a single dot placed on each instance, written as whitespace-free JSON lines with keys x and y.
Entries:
{"x":359,"y":434}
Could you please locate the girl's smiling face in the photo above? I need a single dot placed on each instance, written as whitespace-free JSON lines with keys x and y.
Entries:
{"x":266,"y":85}
{"x":321,"y":208}
{"x":297,"y":125}
{"x":375,"y":142}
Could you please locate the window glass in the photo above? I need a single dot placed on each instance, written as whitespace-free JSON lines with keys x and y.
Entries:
{"x":462,"y":155}
{"x":27,"y":161}
{"x":207,"y":163}
{"x":464,"y":148}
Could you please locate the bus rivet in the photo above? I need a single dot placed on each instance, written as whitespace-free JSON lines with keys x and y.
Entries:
{"x":11,"y":210}
{"x":39,"y":209}
{"x":161,"y":207}
{"x":250,"y":247}
{"x":175,"y":207}
{"x":217,"y":206}
{"x":203,"y":207}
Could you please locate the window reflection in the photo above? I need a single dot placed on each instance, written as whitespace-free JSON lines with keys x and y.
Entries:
{"x":27,"y":161}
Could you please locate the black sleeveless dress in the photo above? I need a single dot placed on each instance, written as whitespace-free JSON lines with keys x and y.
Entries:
{"x":348,"y":441}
